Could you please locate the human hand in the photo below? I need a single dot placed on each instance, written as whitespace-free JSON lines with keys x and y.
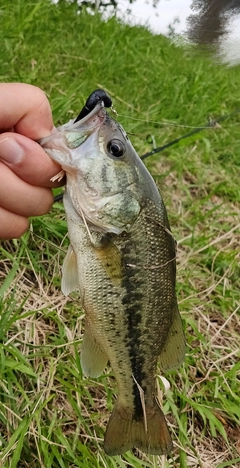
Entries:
{"x":25,"y":168}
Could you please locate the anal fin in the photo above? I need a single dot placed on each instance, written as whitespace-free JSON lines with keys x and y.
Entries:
{"x":69,"y":272}
{"x":174,"y":349}
{"x":93,"y":358}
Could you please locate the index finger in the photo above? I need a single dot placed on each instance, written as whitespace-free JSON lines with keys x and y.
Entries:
{"x":26,"y":109}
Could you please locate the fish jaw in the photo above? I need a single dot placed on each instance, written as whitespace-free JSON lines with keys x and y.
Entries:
{"x":71,"y":135}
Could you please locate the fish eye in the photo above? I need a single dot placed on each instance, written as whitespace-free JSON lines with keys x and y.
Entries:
{"x":116,"y":148}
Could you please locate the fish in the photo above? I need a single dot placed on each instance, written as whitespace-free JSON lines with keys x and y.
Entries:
{"x":122,"y":259}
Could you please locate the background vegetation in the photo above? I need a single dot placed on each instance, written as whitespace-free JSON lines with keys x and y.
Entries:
{"x":50,"y":416}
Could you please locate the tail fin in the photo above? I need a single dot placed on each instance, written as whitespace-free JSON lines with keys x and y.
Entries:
{"x":149,"y":434}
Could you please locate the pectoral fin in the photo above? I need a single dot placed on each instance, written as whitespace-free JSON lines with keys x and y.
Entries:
{"x":174,"y":349}
{"x":93,"y":358}
{"x":69,"y":272}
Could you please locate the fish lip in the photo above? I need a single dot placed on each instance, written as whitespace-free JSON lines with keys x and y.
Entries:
{"x":98,"y":111}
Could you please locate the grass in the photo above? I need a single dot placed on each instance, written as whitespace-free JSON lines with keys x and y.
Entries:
{"x":50,"y":415}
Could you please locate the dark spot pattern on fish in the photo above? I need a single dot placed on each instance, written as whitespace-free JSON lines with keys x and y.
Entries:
{"x":137,"y":296}
{"x":104,"y":174}
{"x":133,"y":285}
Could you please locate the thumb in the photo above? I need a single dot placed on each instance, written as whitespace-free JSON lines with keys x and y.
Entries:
{"x":27,"y":159}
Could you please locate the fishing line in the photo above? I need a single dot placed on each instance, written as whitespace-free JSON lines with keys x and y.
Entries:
{"x":212,"y":124}
{"x":169,"y":124}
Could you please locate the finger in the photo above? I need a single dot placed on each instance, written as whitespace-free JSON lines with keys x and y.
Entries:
{"x":21,"y":198}
{"x":28,"y":160}
{"x":12,"y":225}
{"x":26,"y":109}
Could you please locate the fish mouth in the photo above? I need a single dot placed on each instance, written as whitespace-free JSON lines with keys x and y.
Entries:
{"x":89,"y":124}
{"x":99,"y":106}
{"x":93,"y":120}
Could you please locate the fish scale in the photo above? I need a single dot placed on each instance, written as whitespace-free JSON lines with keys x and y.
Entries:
{"x":122,"y":260}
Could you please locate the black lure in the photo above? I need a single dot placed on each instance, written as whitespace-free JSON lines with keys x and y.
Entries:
{"x":91,"y":102}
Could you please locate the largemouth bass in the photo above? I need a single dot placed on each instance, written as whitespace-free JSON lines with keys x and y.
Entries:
{"x":122,"y":260}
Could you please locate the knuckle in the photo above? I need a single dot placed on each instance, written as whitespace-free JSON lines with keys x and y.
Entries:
{"x":14,"y":226}
{"x":45,"y":202}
